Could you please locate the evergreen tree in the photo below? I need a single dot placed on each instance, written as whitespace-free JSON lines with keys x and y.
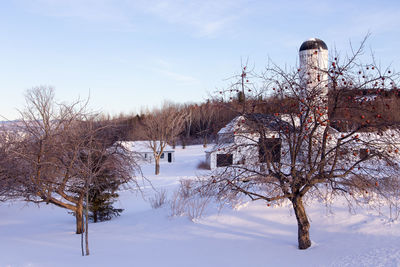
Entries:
{"x":102,"y":197}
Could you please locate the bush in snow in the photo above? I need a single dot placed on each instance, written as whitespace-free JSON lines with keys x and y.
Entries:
{"x":188,"y":201}
{"x":159,"y":199}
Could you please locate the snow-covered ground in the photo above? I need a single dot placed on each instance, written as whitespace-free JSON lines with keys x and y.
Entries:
{"x":250,"y":235}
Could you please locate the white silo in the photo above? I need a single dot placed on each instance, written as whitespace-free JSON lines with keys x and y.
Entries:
{"x":313,"y":73}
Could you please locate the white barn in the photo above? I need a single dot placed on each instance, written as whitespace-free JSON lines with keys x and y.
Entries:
{"x":237,"y":144}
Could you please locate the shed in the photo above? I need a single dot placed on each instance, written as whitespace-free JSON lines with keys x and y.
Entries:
{"x":145,"y":152}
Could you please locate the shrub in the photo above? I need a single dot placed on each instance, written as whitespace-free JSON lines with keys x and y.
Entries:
{"x":187,"y":201}
{"x":159,"y":199}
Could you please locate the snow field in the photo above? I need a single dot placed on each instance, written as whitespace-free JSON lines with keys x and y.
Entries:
{"x":252,"y":234}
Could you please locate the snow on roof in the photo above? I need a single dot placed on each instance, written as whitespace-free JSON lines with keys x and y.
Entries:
{"x":144,"y":146}
{"x":243,"y":123}
{"x":231,"y":126}
{"x":288,"y":118}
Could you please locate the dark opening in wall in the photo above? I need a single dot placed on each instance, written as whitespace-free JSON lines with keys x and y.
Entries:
{"x":269,"y":150}
{"x":224,"y":160}
{"x":364,"y":153}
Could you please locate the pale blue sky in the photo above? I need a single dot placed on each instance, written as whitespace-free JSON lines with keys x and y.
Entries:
{"x":133,"y":54}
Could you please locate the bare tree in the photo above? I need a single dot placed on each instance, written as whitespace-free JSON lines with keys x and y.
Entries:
{"x":301,"y":154}
{"x":161,"y":127}
{"x":189,"y":111}
{"x":52,"y":142}
{"x":206,"y":114}
{"x":44,"y":125}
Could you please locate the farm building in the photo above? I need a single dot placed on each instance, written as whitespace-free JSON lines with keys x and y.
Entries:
{"x":145,"y":153}
{"x":237,"y":142}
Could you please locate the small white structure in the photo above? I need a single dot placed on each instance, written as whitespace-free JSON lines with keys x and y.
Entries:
{"x":237,"y":144}
{"x":145,"y":152}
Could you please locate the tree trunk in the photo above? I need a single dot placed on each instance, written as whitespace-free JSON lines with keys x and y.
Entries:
{"x":157,"y":161}
{"x":183,"y":142}
{"x":87,"y":222}
{"x":302,"y":223}
{"x":82,"y":249}
{"x":205,"y":142}
{"x":79,"y":217}
{"x":95,"y":216}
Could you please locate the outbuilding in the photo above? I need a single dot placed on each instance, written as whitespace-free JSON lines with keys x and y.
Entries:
{"x":239,"y":144}
{"x":145,"y":152}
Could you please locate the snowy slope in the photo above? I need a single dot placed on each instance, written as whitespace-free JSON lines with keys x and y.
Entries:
{"x":250,"y":235}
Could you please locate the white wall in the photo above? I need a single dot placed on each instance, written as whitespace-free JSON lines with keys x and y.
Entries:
{"x":149,"y":157}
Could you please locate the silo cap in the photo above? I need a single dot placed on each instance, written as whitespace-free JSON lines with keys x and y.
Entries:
{"x":313,"y":43}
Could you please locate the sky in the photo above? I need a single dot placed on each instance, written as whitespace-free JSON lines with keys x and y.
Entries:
{"x":126,"y":56}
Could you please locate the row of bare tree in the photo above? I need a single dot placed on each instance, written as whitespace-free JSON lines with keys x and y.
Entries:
{"x":202,"y":121}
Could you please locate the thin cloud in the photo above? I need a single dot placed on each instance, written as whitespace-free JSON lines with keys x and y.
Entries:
{"x":106,"y":12}
{"x":201,"y":18}
{"x":206,"y":18}
{"x":177,"y":76}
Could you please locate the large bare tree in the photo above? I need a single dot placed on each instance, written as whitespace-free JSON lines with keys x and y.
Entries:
{"x":302,"y":154}
{"x":54,"y":147}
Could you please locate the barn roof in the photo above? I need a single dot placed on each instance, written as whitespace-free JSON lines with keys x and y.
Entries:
{"x":248,"y":122}
{"x":144,"y":146}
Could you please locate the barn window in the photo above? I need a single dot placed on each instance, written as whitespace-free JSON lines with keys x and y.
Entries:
{"x":269,"y":150}
{"x":224,"y":160}
{"x":162,"y":155}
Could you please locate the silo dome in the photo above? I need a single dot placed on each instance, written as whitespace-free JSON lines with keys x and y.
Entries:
{"x":313,"y":43}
